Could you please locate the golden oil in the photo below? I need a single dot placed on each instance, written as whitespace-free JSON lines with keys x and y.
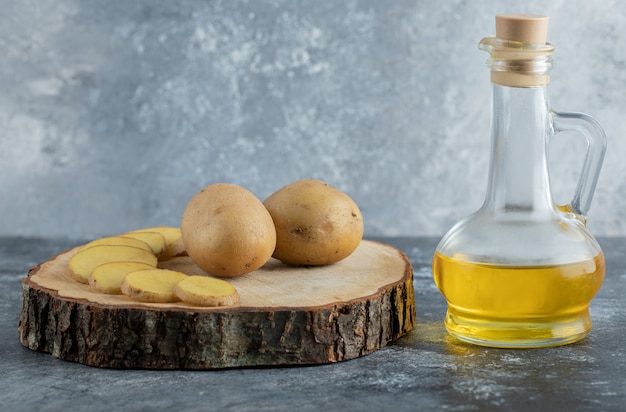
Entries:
{"x":518,"y":306}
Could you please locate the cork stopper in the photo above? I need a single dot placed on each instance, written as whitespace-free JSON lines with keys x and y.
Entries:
{"x":525,"y":28}
{"x":519,"y":53}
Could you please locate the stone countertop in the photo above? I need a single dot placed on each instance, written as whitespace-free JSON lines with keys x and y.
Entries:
{"x":424,"y":370}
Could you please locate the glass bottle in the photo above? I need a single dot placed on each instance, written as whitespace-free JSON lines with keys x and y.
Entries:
{"x":521,"y":271}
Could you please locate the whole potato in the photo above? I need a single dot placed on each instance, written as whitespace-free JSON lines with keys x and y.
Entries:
{"x":227,"y":231}
{"x":316,"y":224}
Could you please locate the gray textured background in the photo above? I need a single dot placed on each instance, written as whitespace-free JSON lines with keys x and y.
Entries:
{"x":113,"y":113}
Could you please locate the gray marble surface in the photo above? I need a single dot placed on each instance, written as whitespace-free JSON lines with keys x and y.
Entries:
{"x":114,"y":113}
{"x":425,"y":370}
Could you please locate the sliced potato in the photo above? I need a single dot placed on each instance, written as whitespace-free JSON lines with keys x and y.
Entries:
{"x":108,"y":277}
{"x":173,"y":240}
{"x":83,"y":262}
{"x":117,"y":240}
{"x":154,"y":239}
{"x":206,"y":291}
{"x":152,"y":285}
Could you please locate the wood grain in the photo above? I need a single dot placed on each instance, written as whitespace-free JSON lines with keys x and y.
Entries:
{"x":287,"y":315}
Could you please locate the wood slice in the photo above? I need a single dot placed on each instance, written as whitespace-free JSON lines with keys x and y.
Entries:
{"x":286,"y":316}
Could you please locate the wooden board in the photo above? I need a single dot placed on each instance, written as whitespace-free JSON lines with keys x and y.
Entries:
{"x":287,"y":316}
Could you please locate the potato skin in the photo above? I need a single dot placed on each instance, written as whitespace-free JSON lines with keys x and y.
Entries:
{"x":227,"y":231}
{"x":316,"y":224}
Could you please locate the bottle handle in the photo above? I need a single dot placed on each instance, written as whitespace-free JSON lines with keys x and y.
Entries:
{"x":596,"y":147}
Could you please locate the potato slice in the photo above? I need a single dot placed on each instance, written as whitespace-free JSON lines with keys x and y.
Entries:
{"x":152,"y":285}
{"x":108,"y":277}
{"x":117,"y":240}
{"x":83,"y":262}
{"x":206,"y":291}
{"x":154,"y":239}
{"x":173,"y":240}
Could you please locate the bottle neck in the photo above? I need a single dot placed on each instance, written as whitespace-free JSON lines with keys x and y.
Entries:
{"x":519,"y":180}
{"x":518,"y":64}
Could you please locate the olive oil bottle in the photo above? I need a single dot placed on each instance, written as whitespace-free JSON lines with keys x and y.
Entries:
{"x":521,"y":271}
